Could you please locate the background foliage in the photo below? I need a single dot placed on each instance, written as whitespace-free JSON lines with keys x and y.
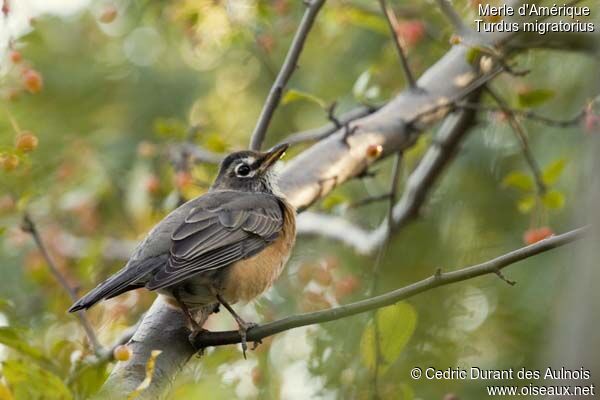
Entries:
{"x":107,"y":87}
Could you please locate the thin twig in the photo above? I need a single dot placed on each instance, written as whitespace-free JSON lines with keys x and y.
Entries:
{"x":379,"y":357}
{"x":316,"y":134}
{"x":392,"y":22}
{"x":528,"y":114}
{"x":369,"y":200}
{"x":519,"y":130}
{"x":287,"y":69}
{"x":453,"y":17}
{"x":438,"y":279}
{"x":29,"y":227}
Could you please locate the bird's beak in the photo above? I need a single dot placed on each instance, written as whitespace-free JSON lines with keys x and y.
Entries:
{"x":272,"y":156}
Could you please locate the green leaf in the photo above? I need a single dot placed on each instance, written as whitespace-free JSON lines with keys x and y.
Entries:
{"x":297,"y":95}
{"x":170,"y":128}
{"x":362,"y":91}
{"x":396,"y":325}
{"x":2,"y":230}
{"x":366,"y":20}
{"x":11,"y":338}
{"x":334,"y":199}
{"x":29,"y":381}
{"x":473,"y":54}
{"x":518,"y":180}
{"x":361,"y":85}
{"x":536,"y":97}
{"x":554,"y":199}
{"x":526,"y":204}
{"x":553,"y":171}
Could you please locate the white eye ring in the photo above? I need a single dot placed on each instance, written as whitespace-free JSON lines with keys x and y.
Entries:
{"x":243,"y":170}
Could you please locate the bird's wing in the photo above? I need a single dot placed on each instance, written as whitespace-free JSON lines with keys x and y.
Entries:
{"x":219,"y":231}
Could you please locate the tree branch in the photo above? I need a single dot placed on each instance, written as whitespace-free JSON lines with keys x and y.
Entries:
{"x":29,"y":227}
{"x":287,"y":69}
{"x":438,"y":279}
{"x":519,"y":130}
{"x":392,"y":22}
{"x":455,"y":19}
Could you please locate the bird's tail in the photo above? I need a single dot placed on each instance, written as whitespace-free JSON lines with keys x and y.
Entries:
{"x":121,"y":282}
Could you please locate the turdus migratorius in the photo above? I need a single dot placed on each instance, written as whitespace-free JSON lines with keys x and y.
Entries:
{"x":225,"y":246}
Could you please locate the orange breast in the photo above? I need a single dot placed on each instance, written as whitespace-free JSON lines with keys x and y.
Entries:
{"x":249,"y":278}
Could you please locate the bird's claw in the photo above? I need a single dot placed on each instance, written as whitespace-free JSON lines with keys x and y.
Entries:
{"x":244,"y":327}
{"x":193,"y":336}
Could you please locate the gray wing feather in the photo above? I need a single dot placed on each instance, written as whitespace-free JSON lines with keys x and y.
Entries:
{"x":218,"y":232}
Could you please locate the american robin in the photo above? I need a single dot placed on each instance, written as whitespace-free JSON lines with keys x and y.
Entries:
{"x":225,"y":246}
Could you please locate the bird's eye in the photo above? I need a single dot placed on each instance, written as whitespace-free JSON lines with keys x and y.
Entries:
{"x":242,"y":170}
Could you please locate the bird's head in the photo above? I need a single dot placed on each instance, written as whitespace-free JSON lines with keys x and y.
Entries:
{"x":250,"y":171}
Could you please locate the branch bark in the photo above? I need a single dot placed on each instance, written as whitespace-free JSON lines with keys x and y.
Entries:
{"x":284,"y":75}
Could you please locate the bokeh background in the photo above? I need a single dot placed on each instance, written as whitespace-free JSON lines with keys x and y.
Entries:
{"x":94,"y":94}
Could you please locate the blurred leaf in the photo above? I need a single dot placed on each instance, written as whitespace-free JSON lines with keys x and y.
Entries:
{"x":6,"y":304}
{"x":362,"y":91}
{"x":473,"y":54}
{"x":518,"y":180}
{"x":170,"y":128}
{"x":361,"y":84}
{"x":11,"y":338}
{"x":396,"y":325}
{"x":29,"y":381}
{"x":215,"y":142}
{"x":2,"y":230}
{"x":536,"y":97}
{"x":366,"y":20}
{"x":297,"y":95}
{"x":334,"y":199}
{"x":89,"y":380}
{"x":554,"y":199}
{"x":149,"y":374}
{"x":526,"y":204}
{"x":553,"y":171}
{"x":5,"y":393}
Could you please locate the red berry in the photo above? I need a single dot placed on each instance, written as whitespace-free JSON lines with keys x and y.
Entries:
{"x":322,"y":276}
{"x":26,"y":142}
{"x":122,"y":353}
{"x":267,"y":42}
{"x":108,"y":15}
{"x":32,"y":80}
{"x":9,"y":162}
{"x":183,"y":179}
{"x":411,"y":31}
{"x":591,"y":123}
{"x":153,"y":184}
{"x":374,"y":150}
{"x":15,"y":57}
{"x":256,"y":375}
{"x":346,"y":287}
{"x":534,"y":235}
{"x":455,"y":39}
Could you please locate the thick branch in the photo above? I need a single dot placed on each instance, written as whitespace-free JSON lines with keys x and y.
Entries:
{"x":287,"y":69}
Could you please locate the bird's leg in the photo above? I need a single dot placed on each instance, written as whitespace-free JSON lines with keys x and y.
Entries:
{"x":194,"y":326}
{"x":243,"y":326}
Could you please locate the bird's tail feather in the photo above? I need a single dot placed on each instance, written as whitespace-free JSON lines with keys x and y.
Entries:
{"x":121,"y":282}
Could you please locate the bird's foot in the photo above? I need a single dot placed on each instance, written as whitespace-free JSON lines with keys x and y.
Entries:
{"x":193,"y":338}
{"x":243,"y":328}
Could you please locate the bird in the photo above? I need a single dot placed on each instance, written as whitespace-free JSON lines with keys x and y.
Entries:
{"x":225,"y":246}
